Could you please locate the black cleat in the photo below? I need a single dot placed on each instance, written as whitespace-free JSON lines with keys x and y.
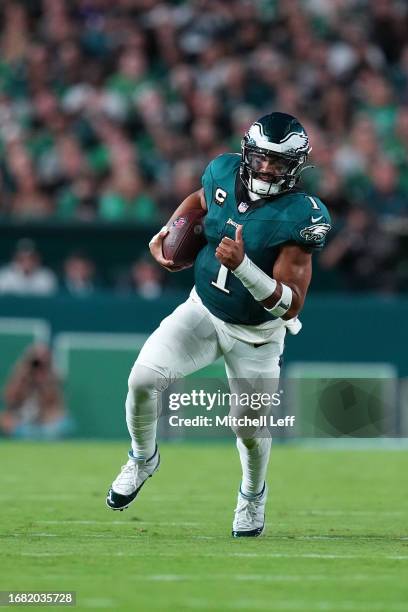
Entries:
{"x":130,"y":480}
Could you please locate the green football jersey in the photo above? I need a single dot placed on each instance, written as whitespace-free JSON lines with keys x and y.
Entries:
{"x":292,"y":217}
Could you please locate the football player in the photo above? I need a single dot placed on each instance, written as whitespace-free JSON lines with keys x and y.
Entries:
{"x":251,"y":281}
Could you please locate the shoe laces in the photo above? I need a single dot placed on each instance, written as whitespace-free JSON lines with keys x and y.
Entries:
{"x":128,"y":473}
{"x":248,"y":508}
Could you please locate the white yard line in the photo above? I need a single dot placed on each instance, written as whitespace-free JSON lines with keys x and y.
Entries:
{"x":142,"y":523}
{"x":259,"y":555}
{"x":138,"y":523}
{"x":344,"y":538}
{"x":347,"y":512}
{"x":253,"y":577}
{"x":276,"y":512}
{"x":315,"y":556}
{"x":38,"y":497}
{"x":318,"y":606}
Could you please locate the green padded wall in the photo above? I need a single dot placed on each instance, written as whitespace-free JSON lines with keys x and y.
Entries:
{"x":95,"y":370}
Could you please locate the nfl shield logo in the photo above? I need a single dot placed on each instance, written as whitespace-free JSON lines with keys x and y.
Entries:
{"x":179,"y":222}
{"x":243,"y":207}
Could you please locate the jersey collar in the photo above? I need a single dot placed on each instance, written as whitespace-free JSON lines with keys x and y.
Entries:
{"x":242,"y":197}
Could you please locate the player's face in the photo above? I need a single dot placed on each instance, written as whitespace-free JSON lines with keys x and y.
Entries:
{"x":268,"y":167}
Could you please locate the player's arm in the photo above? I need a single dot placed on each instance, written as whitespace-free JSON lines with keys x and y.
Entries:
{"x":192,"y":202}
{"x":292,"y":269}
{"x":282,"y":294}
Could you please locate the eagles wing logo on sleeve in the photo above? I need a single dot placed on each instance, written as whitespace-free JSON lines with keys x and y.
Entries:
{"x":315,"y":233}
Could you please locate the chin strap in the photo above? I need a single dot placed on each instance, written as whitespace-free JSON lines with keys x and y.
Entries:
{"x":254,"y":196}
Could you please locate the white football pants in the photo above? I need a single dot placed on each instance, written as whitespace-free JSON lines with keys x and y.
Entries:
{"x":186,"y":341}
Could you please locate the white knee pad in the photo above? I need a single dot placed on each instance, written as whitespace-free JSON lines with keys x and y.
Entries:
{"x":145,"y":387}
{"x":144,"y":378}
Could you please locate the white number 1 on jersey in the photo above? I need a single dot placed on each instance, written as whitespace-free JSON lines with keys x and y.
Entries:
{"x":221,"y":280}
{"x":314,"y":203}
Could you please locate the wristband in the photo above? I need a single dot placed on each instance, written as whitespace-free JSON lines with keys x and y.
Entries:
{"x":262,"y":286}
{"x":259,"y":284}
{"x":284,"y":303}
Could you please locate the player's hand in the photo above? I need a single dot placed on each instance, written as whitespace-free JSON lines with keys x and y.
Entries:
{"x":155,"y":246}
{"x":230,"y":253}
{"x":178,"y":268}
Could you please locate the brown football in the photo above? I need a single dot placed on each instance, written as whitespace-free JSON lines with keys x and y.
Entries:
{"x":185,"y":238}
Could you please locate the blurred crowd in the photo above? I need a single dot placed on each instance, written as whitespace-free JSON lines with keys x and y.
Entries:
{"x":110,"y":111}
{"x":26,"y":275}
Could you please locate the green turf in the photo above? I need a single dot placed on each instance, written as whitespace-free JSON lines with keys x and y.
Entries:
{"x":337,"y":537}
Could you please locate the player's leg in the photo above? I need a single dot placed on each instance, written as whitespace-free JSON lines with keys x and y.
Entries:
{"x":185,"y":342}
{"x":253,"y":370}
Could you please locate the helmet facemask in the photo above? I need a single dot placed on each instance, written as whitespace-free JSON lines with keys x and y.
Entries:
{"x":267,"y":173}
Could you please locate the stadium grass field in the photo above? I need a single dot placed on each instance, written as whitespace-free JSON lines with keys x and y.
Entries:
{"x":337,"y":537}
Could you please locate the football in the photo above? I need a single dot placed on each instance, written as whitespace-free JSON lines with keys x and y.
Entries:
{"x":185,"y":238}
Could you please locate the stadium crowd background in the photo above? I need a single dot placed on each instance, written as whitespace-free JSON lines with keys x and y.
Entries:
{"x":110,"y":114}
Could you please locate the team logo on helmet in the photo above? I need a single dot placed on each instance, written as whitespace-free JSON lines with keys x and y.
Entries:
{"x":296,"y":142}
{"x":315,"y":233}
